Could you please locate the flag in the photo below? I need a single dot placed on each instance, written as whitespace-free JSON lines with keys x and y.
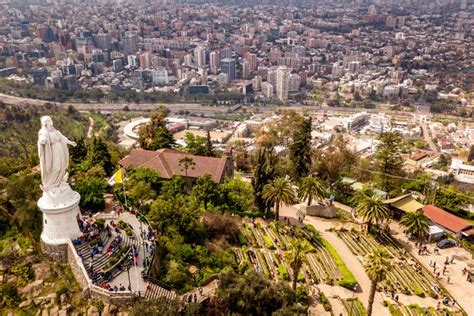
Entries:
{"x":116,"y":178}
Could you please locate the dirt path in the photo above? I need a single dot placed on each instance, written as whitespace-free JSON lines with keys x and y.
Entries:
{"x":91,"y":127}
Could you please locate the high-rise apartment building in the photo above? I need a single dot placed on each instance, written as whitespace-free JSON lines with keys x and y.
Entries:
{"x":228,"y":67}
{"x":200,"y":57}
{"x":160,"y":76}
{"x":214,"y":62}
{"x":252,"y":59}
{"x":130,"y":42}
{"x":245,"y":69}
{"x":283,"y":74}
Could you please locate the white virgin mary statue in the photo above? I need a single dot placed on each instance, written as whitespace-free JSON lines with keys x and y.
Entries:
{"x":53,"y":155}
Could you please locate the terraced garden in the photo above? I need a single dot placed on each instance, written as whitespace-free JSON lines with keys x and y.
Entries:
{"x":353,"y":307}
{"x":405,"y":277}
{"x":416,"y":310}
{"x":266,"y":244}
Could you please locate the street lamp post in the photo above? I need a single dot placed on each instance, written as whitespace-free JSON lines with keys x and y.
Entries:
{"x":129,"y":282}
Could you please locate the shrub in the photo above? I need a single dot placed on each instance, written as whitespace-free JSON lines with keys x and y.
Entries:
{"x":240,"y":238}
{"x":64,"y":289}
{"x":418,"y":290}
{"x":283,"y":272}
{"x":325,"y":302}
{"x":128,"y":231}
{"x":10,"y":295}
{"x":302,"y":295}
{"x":100,"y":222}
{"x":24,"y":273}
{"x":268,"y":242}
{"x":348,"y":280}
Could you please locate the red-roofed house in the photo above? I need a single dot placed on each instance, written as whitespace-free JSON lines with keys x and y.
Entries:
{"x":167,"y":163}
{"x":448,"y":221}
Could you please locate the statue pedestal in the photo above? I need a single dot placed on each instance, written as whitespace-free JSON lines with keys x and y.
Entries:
{"x":60,"y":209}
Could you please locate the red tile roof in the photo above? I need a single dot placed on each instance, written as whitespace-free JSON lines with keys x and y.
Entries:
{"x":445,"y":219}
{"x":418,"y":156}
{"x":166,"y":163}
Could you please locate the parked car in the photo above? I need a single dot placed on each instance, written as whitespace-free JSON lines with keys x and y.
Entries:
{"x":446,"y":243}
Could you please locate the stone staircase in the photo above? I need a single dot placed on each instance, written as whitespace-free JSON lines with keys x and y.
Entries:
{"x":154,"y":291}
{"x":101,"y":260}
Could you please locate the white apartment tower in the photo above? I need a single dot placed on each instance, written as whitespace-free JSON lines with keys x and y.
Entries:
{"x":214,"y":61}
{"x":283,"y":74}
{"x":200,"y":57}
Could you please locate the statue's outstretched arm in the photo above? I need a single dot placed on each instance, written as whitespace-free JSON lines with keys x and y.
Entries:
{"x":69,"y":142}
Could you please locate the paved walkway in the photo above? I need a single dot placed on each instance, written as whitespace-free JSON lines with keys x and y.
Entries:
{"x":458,"y":287}
{"x":136,"y":281}
{"x":352,"y":262}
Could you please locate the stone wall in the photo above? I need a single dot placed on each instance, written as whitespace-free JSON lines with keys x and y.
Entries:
{"x":90,"y":290}
{"x":77,"y":268}
{"x":58,"y":253}
{"x":116,"y":298}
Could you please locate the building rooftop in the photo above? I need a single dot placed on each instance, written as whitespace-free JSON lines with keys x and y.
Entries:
{"x":446,"y":219}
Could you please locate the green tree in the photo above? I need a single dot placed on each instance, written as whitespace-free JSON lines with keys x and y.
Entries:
{"x":452,"y":200}
{"x":147,"y":175}
{"x":336,"y":160}
{"x":206,"y":191}
{"x":176,"y":275}
{"x":22,"y":192}
{"x":186,"y":163}
{"x":236,"y":196}
{"x":252,"y":294}
{"x":416,"y":224}
{"x":264,"y":173}
{"x":162,"y":139}
{"x":295,"y":257}
{"x":373,"y":210}
{"x":164,"y":217}
{"x":98,"y":154}
{"x":310,"y":189}
{"x":300,"y":150}
{"x":279,"y":192}
{"x":365,"y":192}
{"x":389,"y":160}
{"x":241,"y":156}
{"x":92,"y":193}
{"x":209,"y":149}
{"x":195,"y":145}
{"x":79,"y":152}
{"x":155,"y":135}
{"x":378,"y":263}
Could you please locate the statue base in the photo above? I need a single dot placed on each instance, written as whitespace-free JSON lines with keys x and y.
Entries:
{"x":60,"y":207}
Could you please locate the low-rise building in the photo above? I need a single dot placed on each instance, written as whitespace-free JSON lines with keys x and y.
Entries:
{"x":462,"y":172}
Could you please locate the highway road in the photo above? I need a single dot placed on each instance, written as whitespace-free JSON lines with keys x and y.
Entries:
{"x":205,"y":110}
{"x":173,"y":107}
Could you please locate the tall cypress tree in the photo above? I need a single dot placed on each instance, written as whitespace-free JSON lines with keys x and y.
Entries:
{"x":263,"y":174}
{"x":209,"y":150}
{"x":98,"y":155}
{"x":300,"y":150}
{"x":389,"y":160}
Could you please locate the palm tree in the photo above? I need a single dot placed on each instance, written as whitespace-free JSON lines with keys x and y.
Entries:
{"x":373,"y":210}
{"x":277,"y":192}
{"x":378,"y":264}
{"x":416,"y":224}
{"x":295,"y":257}
{"x":310,"y":188}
